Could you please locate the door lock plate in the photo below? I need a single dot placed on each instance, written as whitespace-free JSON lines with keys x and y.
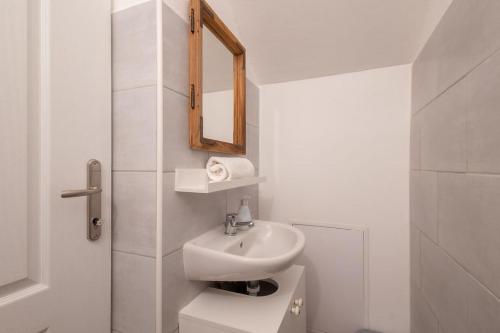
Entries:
{"x":94,"y":218}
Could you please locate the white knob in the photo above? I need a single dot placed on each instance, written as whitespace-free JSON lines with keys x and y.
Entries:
{"x":295,"y":310}
{"x":299,"y":302}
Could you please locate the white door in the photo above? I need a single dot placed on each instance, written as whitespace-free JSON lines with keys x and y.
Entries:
{"x":55,"y":116}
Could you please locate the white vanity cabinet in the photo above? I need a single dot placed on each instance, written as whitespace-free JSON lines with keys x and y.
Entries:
{"x":294,"y":320}
{"x":220,"y":311}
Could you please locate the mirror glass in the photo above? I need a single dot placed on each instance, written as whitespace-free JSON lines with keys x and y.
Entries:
{"x":218,"y":92}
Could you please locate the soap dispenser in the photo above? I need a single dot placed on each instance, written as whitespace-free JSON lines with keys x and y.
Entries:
{"x":244,"y":215}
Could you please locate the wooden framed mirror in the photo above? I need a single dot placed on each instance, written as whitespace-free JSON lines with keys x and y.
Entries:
{"x":217,"y":84}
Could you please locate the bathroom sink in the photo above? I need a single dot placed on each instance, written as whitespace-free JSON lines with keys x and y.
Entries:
{"x":254,"y":254}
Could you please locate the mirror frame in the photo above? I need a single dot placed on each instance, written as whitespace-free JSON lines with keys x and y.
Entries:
{"x":201,"y":15}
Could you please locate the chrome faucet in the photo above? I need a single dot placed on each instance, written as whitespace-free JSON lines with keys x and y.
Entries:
{"x":232,"y":225}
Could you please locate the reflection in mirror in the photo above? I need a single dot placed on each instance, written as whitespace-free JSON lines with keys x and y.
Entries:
{"x":218,"y":93}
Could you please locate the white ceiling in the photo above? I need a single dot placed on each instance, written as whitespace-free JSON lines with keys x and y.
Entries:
{"x":297,"y":39}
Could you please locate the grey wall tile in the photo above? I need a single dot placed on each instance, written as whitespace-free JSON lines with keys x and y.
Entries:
{"x":134,"y":212}
{"x":444,"y":284}
{"x":443,"y":132}
{"x":253,"y":104}
{"x":187,"y":215}
{"x":459,"y":133}
{"x":484,"y":307}
{"x":134,"y":149}
{"x":468,"y":33}
{"x":134,"y":46}
{"x":252,"y":152}
{"x":484,"y":312}
{"x":469,"y":224}
{"x":415,"y":141}
{"x":425,"y":80}
{"x":483,"y":117}
{"x":178,"y":291}
{"x":423,"y":202}
{"x":133,"y":293}
{"x":177,"y":152}
{"x":415,"y":256}
{"x":423,"y":320}
{"x":234,"y":199}
{"x":134,"y":129}
{"x":175,"y":51}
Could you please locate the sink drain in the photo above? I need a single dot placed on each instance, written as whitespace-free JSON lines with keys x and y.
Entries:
{"x":251,"y":288}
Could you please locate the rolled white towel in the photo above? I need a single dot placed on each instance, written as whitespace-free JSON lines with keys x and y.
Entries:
{"x":227,"y":168}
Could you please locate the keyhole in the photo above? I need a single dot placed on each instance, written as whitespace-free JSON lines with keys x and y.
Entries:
{"x":97,"y":221}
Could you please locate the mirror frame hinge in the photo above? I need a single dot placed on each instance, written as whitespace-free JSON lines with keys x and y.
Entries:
{"x":192,"y":21}
{"x":193,"y":97}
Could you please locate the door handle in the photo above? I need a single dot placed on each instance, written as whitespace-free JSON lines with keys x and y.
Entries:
{"x":80,"y":193}
{"x":93,"y":194}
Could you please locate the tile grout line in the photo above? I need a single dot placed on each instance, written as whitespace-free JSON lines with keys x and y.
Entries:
{"x":471,"y":173}
{"x":133,"y":253}
{"x":127,"y":7}
{"x":464,"y":269}
{"x":462,"y":77}
{"x":420,"y":271}
{"x":159,"y":169}
{"x":175,"y":91}
{"x":172,"y":252}
{"x":438,"y":181}
{"x":131,"y":171}
{"x":421,"y":287}
{"x":149,"y":85}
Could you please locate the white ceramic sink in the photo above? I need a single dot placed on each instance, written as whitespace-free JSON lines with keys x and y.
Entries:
{"x":254,"y":254}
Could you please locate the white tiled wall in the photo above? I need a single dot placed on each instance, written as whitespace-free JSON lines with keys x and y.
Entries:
{"x":185,"y":215}
{"x":455,"y":187}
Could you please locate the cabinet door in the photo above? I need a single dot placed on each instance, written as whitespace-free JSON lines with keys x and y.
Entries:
{"x":190,"y":326}
{"x":292,"y":322}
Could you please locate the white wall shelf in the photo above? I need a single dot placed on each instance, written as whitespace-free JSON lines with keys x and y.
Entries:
{"x":197,"y":181}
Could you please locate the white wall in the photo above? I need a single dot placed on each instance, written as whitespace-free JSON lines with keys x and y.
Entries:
{"x":336,"y":151}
